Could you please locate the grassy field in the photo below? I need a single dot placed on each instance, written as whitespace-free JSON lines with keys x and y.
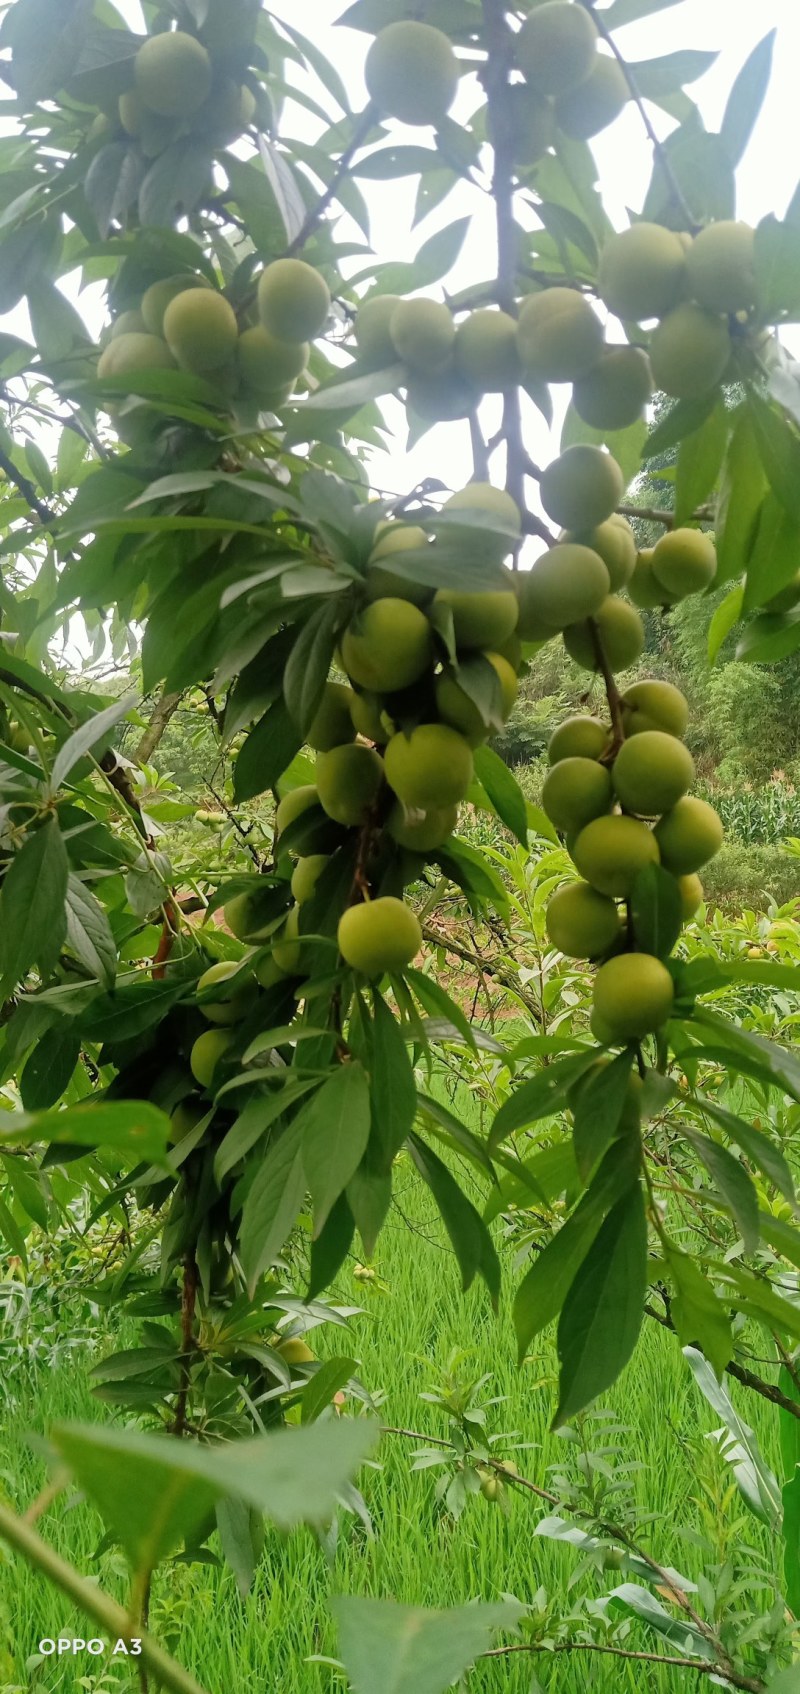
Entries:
{"x":418,"y":1554}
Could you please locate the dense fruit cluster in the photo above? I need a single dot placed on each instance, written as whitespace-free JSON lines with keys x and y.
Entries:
{"x":183,"y":322}
{"x":182,"y":85}
{"x":429,"y":675}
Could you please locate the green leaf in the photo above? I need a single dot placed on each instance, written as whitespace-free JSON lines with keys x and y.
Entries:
{"x":544,"y":1288}
{"x":325,"y":1383}
{"x":112,"y":182}
{"x":741,"y":1046}
{"x":335,"y":1127}
{"x":597,"y":1101}
{"x":777,"y":267}
{"x":86,"y":737}
{"x":154,"y":1491}
{"x":405,"y":1650}
{"x":725,"y":617}
{"x":542,"y":1097}
{"x":602,"y":1314}
{"x":392,"y":1088}
{"x":266,"y":753}
{"x":757,"y":1146}
{"x":699,"y":1317}
{"x":733,"y":1183}
{"x":437,"y":1002}
{"x":779,"y":450}
{"x":737,"y":1442}
{"x":308,"y":665}
{"x":671,"y":72}
{"x":769,"y":638}
{"x":683,"y":417}
{"x":49,"y":1068}
{"x":790,"y":1530}
{"x":504,"y":792}
{"x":746,"y":98}
{"x":32,"y":916}
{"x":133,"y":1128}
{"x":272,"y":1205}
{"x":472,"y":1243}
{"x":699,"y":463}
{"x":258,"y":1116}
{"x":330,"y":1247}
{"x":773,"y":561}
{"x":129,"y":1010}
{"x":622,"y":12}
{"x":656,"y":914}
{"x":89,"y":934}
{"x":349,"y":394}
{"x":27,"y":1189}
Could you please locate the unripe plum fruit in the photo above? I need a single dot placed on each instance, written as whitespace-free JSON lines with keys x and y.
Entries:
{"x":424,"y":333}
{"x":559,"y":337}
{"x":595,"y":103}
{"x":431,"y":767}
{"x":720,"y":267}
{"x":786,"y":598}
{"x":365,"y":711}
{"x":305,"y":876}
{"x":689,"y":835}
{"x":349,"y":780}
{"x":229,"y":112}
{"x":576,"y":791}
{"x":484,"y":497}
{"x":332,"y":723}
{"x":581,"y":923}
{"x":615,"y":392}
{"x":206,"y":1053}
{"x":610,"y":852}
{"x":578,"y":737}
{"x":620,"y":631}
{"x":567,"y":583}
{"x":184,"y":1119}
{"x":481,"y":620}
{"x":655,"y":705}
{"x":286,"y":950}
{"x":378,"y":936}
{"x":412,"y":73}
{"x":173,"y":74}
{"x":556,"y":47}
{"x":486,"y":350}
{"x":642,"y":272}
{"x":376,"y":348}
{"x":582,"y":487}
{"x":200,"y":330}
{"x":652,"y":772}
{"x":228,"y":1010}
{"x":691,"y":892}
{"x":633,"y":995}
{"x":421,"y":832}
{"x":387,"y":646}
{"x":296,"y":1351}
{"x":265,"y":364}
{"x":685,"y":561}
{"x":130,"y":323}
{"x":129,"y":355}
{"x":381,"y":582}
{"x":293,"y":300}
{"x":456,"y":708}
{"x":292,"y":806}
{"x":689,"y":351}
{"x":643,"y":587}
{"x":615,"y":542}
{"x":161,"y":294}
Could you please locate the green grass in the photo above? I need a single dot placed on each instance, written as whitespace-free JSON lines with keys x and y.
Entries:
{"x":418,"y":1555}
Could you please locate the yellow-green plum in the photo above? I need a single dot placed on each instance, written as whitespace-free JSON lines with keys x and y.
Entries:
{"x":689,"y":351}
{"x":265,"y":364}
{"x":173,"y":74}
{"x":528,"y":124}
{"x":595,"y":103}
{"x":412,"y":72}
{"x":615,"y":393}
{"x":456,"y":708}
{"x":366,"y":713}
{"x":293,"y":300}
{"x":229,"y":112}
{"x":610,"y":852}
{"x":306,"y":875}
{"x":422,"y":832}
{"x":129,"y":323}
{"x":642,"y":272}
{"x":376,"y":348}
{"x":184,"y":1119}
{"x":685,"y":562}
{"x":378,"y":936}
{"x":720,"y":267}
{"x":129,"y":355}
{"x":206,"y":1054}
{"x":556,"y":47}
{"x":332,"y":723}
{"x":161,"y":294}
{"x":615,"y":542}
{"x":381,"y":581}
{"x":484,"y":497}
{"x":567,"y":583}
{"x":559,"y":337}
{"x":633,"y":995}
{"x":691,"y":892}
{"x":200,"y":330}
{"x":655,"y":705}
{"x":429,"y":768}
{"x":230,"y":1008}
{"x":424,"y":333}
{"x":387,"y":646}
{"x":575,"y":791}
{"x":349,"y":781}
{"x":688,"y":836}
{"x":286,"y":951}
{"x":582,"y":487}
{"x":486,"y":350}
{"x":620,"y":631}
{"x":581,"y":923}
{"x":651,"y":772}
{"x":481,"y":620}
{"x":578,"y":737}
{"x":643,"y":585}
{"x":293,"y":805}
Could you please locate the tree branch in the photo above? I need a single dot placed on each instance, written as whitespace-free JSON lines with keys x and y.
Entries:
{"x":46,"y":517}
{"x":748,"y":1378}
{"x":164,"y":710}
{"x":317,"y":212}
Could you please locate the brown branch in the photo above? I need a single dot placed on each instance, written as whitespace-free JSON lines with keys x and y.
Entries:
{"x":191,"y":1280}
{"x":507,"y":978}
{"x":658,"y":147}
{"x":648,"y":514}
{"x":118,"y":779}
{"x":317,"y":212}
{"x":703,"y":1665}
{"x":748,"y":1378}
{"x":613,"y":695}
{"x":46,"y":517}
{"x":164,"y":710}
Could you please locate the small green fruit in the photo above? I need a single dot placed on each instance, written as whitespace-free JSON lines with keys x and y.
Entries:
{"x":642,"y":272}
{"x":618,"y":628}
{"x":129,"y":355}
{"x":332,"y":724}
{"x":581,"y":923}
{"x":691,"y":892}
{"x":720,"y":267}
{"x":633,"y":995}
{"x":578,"y":737}
{"x":486,"y":350}
{"x":581,"y":488}
{"x":456,"y":708}
{"x":484,"y":497}
{"x":424,"y":335}
{"x":365,"y":710}
{"x":382,"y":582}
{"x":129,"y":323}
{"x":422,"y":832}
{"x":293,"y":805}
{"x":224,"y":1011}
{"x":655,"y":705}
{"x":480,"y":620}
{"x":685,"y":562}
{"x":575,"y":791}
{"x":567,"y":583}
{"x":184,"y":1119}
{"x":265,"y":364}
{"x":595,"y":103}
{"x":286,"y":951}
{"x":615,"y":542}
{"x":652,"y":772}
{"x":556,"y":47}
{"x":305,"y":876}
{"x":349,"y":780}
{"x":379,"y":936}
{"x":615,"y":393}
{"x":430,"y":768}
{"x":559,"y":337}
{"x":200,"y":330}
{"x":643,"y":586}
{"x":689,"y":351}
{"x":161,"y":294}
{"x":173,"y":74}
{"x":206,"y":1054}
{"x":376,"y":349}
{"x":293,"y":300}
{"x":387,"y":646}
{"x":412,"y":73}
{"x":610,"y":852}
{"x":688,"y":836}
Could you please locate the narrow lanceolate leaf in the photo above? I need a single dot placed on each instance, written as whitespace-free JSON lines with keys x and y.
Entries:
{"x":133,"y":1128}
{"x":746,"y":98}
{"x":89,"y":934}
{"x":391,"y":1649}
{"x":597,"y":1103}
{"x":699,"y":463}
{"x":472,"y":1243}
{"x":335,"y":1131}
{"x":272,"y":1205}
{"x":699,"y":1317}
{"x":88,"y":736}
{"x":288,"y":198}
{"x":540,"y":1098}
{"x":32,"y":916}
{"x":733,"y":1184}
{"x":504,"y":792}
{"x":655,"y":911}
{"x":543,"y":1290}
{"x":757,"y":1146}
{"x":738,"y":1444}
{"x":309,"y":662}
{"x":267,"y":752}
{"x":602,"y":1314}
{"x":392,"y":1087}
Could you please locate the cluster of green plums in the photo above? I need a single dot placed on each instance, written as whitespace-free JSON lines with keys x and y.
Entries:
{"x":180,"y":85}
{"x":182,"y":322}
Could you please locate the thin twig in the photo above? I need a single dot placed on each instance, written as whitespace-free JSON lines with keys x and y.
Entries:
{"x":748,"y":1378}
{"x":613,"y":695}
{"x":191,"y":1280}
{"x":46,"y":517}
{"x":317,"y":212}
{"x":164,"y":710}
